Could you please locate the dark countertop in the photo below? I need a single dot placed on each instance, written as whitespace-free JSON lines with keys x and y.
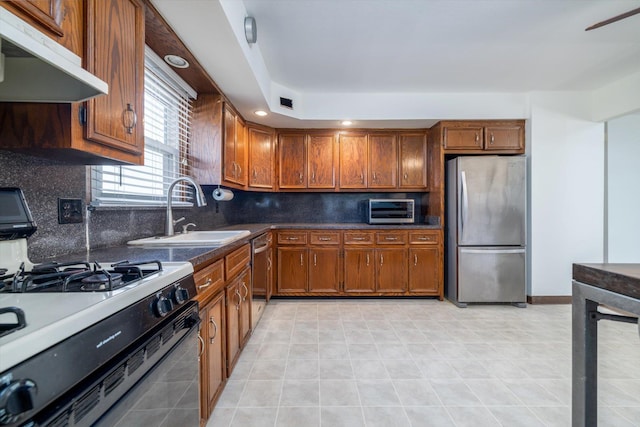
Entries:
{"x":623,"y":279}
{"x":204,"y":255}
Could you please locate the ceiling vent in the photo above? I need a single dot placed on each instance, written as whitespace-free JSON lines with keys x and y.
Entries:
{"x":286,"y":102}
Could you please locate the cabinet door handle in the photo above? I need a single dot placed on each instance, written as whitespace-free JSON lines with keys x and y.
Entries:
{"x":239,"y":169}
{"x":129,"y":119}
{"x":477,"y":137}
{"x":301,"y":263}
{"x":301,"y":177}
{"x":375,"y":177}
{"x":244,"y":298}
{"x":361,"y":177}
{"x":215,"y":330}
{"x":313,"y":176}
{"x":255,"y":173}
{"x":269,"y":264}
{"x":381,"y":259}
{"x":239,"y":299}
{"x":315,"y":260}
{"x":406,"y":176}
{"x":492,"y":138}
{"x":201,"y":348}
{"x":415,"y":259}
{"x":367,"y":260}
{"x":206,"y":284}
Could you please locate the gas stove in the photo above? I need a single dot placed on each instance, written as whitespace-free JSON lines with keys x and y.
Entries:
{"x":77,"y":337}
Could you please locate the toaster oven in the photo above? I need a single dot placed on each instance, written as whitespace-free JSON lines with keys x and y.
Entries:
{"x":391,"y":211}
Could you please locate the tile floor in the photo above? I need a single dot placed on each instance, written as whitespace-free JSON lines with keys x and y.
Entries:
{"x":421,"y":363}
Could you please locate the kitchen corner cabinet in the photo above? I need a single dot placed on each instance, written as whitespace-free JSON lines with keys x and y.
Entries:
{"x":260,"y":141}
{"x":115,"y":54}
{"x":234,"y":151}
{"x":110,"y":35}
{"x":481,"y":137}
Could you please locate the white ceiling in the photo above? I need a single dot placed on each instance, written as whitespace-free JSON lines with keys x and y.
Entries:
{"x":348,"y":58}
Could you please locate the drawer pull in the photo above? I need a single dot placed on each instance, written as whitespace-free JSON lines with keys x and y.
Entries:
{"x":206,"y":284}
{"x":391,"y":238}
{"x":424,"y":239}
{"x":359,"y":238}
{"x":324,"y":239}
{"x":293,"y":238}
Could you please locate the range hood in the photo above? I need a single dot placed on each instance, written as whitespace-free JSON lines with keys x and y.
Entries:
{"x":35,"y":68}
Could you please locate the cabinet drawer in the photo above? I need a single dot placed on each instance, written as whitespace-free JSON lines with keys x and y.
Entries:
{"x":292,"y":238}
{"x":424,"y":237}
{"x":358,"y":238}
{"x":322,"y":238}
{"x":391,"y":237}
{"x":237,"y":260}
{"x":210,"y":277}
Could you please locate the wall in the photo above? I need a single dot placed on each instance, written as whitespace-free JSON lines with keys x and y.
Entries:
{"x":567,"y":190}
{"x":623,"y":204}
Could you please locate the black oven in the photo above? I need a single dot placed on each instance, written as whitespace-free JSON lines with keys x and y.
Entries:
{"x":153,"y":382}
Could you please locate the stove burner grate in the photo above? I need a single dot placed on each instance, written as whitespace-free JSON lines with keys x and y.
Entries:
{"x":76,"y":276}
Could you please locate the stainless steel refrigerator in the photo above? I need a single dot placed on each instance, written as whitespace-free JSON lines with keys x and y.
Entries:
{"x":486,"y":230}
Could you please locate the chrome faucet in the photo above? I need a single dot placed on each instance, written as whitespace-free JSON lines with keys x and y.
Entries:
{"x":200,"y":201}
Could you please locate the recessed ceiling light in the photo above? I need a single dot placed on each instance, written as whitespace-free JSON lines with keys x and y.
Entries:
{"x":260,"y":113}
{"x":347,"y":122}
{"x":176,"y":61}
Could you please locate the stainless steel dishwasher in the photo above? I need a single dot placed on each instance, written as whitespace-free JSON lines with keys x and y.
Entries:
{"x":261,"y":288}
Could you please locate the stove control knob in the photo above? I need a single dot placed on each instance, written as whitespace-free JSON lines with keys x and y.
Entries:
{"x":180,"y":295}
{"x":162,"y":305}
{"x":15,"y":399}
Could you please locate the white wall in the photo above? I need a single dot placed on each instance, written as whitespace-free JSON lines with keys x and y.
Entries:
{"x":567,"y":190}
{"x":623,"y":223}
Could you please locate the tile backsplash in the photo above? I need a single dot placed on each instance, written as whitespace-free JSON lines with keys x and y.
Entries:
{"x":43,"y":181}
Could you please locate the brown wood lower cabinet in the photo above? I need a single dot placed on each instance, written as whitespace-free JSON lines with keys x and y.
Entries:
{"x":391,"y":270}
{"x":212,"y":359}
{"x":360,"y":262}
{"x":292,"y":270}
{"x":359,"y":270}
{"x":324,"y":270}
{"x":238,"y":316}
{"x":424,"y":274}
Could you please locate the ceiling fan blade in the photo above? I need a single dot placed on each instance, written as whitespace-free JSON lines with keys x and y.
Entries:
{"x":614,"y":19}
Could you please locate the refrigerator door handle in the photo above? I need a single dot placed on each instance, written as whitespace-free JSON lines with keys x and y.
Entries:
{"x":465,"y":201}
{"x":492,"y":251}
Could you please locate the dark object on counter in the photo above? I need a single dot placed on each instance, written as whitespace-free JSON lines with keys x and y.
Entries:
{"x":16,"y":221}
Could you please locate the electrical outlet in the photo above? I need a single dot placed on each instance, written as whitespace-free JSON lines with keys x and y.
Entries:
{"x":69,"y":211}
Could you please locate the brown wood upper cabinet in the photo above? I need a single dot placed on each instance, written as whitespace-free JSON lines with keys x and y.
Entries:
{"x":234,"y":149}
{"x":307,"y":161}
{"x":383,"y":161}
{"x":499,"y":136}
{"x":354,"y":149}
{"x":45,"y":14}
{"x":413,"y":160}
{"x":115,"y":54}
{"x":261,"y":156}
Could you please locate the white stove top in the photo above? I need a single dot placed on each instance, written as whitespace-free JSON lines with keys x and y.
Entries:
{"x":53,"y":317}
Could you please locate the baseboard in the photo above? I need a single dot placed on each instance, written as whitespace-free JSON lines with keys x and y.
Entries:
{"x":551,"y":299}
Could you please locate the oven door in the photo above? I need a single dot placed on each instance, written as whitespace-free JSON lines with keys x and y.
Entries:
{"x":167,"y":396}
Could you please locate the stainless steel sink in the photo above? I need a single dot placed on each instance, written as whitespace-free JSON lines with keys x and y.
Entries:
{"x":193,"y":238}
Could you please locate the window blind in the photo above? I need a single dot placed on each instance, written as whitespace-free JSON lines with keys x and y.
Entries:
{"x":167,"y":119}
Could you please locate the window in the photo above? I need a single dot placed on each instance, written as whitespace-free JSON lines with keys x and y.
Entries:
{"x":167,"y":115}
